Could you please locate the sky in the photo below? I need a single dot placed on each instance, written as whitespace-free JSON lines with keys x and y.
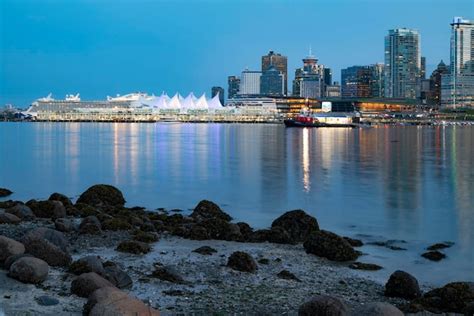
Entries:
{"x":108,"y":47}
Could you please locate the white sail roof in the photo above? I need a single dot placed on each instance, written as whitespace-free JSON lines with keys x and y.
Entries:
{"x":188,"y":102}
{"x":174,"y":103}
{"x":215,"y":103}
{"x":201,"y":103}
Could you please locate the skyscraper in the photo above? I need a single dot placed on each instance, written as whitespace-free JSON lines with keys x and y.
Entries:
{"x":312,"y":74}
{"x":220,"y":91}
{"x":278,"y":61}
{"x":233,"y":86}
{"x":362,"y":81}
{"x":457,"y":88}
{"x":402,"y":63}
{"x":272,"y":82}
{"x":250,"y":82}
{"x":434,"y":96}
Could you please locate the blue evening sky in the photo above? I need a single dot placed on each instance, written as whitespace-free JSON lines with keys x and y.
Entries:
{"x":106,"y":47}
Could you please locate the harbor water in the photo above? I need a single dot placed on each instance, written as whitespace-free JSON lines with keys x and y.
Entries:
{"x":414,"y":185}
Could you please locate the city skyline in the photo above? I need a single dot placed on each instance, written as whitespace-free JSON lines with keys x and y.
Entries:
{"x":37,"y":58}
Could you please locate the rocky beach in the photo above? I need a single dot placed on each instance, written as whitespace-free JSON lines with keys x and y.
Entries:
{"x":95,"y":256}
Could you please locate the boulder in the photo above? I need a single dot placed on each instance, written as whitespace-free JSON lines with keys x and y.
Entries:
{"x":47,"y":209}
{"x":115,"y":275}
{"x":7,"y":218}
{"x":209,"y":210}
{"x":64,"y":225}
{"x":276,"y":235}
{"x":441,"y":245}
{"x":90,"y":226}
{"x":9,"y":247}
{"x":45,"y":300}
{"x":402,"y":284}
{"x":195,"y":232}
{"x":49,"y":245}
{"x":245,"y":230}
{"x":85,"y":284}
{"x":454,"y":297}
{"x":116,"y":224}
{"x":354,"y":242}
{"x":365,"y":266}
{"x":4,"y":192}
{"x":22,"y":211}
{"x":287,"y":275}
{"x":324,"y":305}
{"x":298,"y":224}
{"x":147,"y":237}
{"x":167,"y":273}
{"x":29,"y":270}
{"x":87,"y":264}
{"x":101,"y":195}
{"x":134,"y":247}
{"x":378,"y":309}
{"x":434,"y":255}
{"x":107,"y":301}
{"x":242,"y":261}
{"x":10,"y":260}
{"x":329,"y":245}
{"x":205,"y":250}
{"x":61,"y":198}
{"x":263,"y":261}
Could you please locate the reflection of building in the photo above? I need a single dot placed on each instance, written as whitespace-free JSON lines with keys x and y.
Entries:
{"x":218,"y":90}
{"x":272,"y":82}
{"x":402,"y":63}
{"x":234,"y":86}
{"x":309,"y":80}
{"x":250,"y":82}
{"x":457,"y":88}
{"x":280,"y":63}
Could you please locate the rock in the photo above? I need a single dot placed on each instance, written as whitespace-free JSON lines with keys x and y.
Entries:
{"x":7,"y":218}
{"x":264,"y":261}
{"x":87,"y":264}
{"x":45,"y":300}
{"x":209,"y":210}
{"x":205,"y":250}
{"x":133,"y":246}
{"x":22,"y":211}
{"x":469,"y":310}
{"x":49,"y":245}
{"x":196,"y":232}
{"x":454,"y":297}
{"x":101,"y":195}
{"x":324,"y":305}
{"x":434,"y":255}
{"x":116,"y":224}
{"x":64,"y":225}
{"x":9,"y":247}
{"x":354,"y":242}
{"x":242,"y":261}
{"x":439,"y":246}
{"x":231,"y":233}
{"x":276,"y":235}
{"x":85,"y":284}
{"x":110,"y":302}
{"x":90,"y":226}
{"x":167,"y":273}
{"x":146,"y":236}
{"x":29,"y":270}
{"x":245,"y":230}
{"x":365,"y":266}
{"x":378,"y":309}
{"x":402,"y":284}
{"x":115,"y":275}
{"x":329,"y":245}
{"x":10,"y":260}
{"x":5,"y":192}
{"x":47,"y":209}
{"x":298,"y":224}
{"x":287,"y":275}
{"x":61,"y":198}
{"x":387,"y":244}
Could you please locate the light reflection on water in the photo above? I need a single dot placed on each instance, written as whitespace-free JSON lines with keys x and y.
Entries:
{"x":408,"y":183}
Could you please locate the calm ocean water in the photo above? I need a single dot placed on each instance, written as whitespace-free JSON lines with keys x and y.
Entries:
{"x":414,"y":184}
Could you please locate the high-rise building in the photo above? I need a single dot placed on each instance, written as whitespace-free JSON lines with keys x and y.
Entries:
{"x":278,"y":61}
{"x":402,"y":63}
{"x":457,"y":88}
{"x":218,"y":91}
{"x":434,"y":96}
{"x":423,"y":68}
{"x":272,"y":82}
{"x":313,"y":74}
{"x":362,"y":81}
{"x":250,"y":82}
{"x":333,"y":91}
{"x":233,"y":86}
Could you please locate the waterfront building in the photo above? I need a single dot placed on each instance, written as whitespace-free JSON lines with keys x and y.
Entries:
{"x":218,"y":91}
{"x":362,"y":81}
{"x":312,"y":74}
{"x":333,"y":91}
{"x":233,"y":86}
{"x":434,"y":95}
{"x":278,"y":61}
{"x":457,"y":88}
{"x":327,"y":77}
{"x":250,"y":82}
{"x":272,"y":82}
{"x":402,"y":63}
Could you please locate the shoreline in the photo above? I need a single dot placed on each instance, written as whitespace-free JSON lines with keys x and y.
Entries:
{"x":200,"y":284}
